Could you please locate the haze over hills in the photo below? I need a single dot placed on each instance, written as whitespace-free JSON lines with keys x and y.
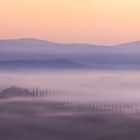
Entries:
{"x":76,"y":55}
{"x":129,"y":44}
{"x":33,"y":45}
{"x":40,"y":64}
{"x":53,"y":47}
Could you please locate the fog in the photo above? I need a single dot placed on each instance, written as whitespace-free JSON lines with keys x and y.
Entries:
{"x":67,"y":113}
{"x":79,"y":85}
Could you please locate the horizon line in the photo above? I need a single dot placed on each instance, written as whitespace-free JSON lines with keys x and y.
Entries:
{"x":86,"y":43}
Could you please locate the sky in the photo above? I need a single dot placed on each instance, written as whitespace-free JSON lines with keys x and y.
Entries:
{"x":83,"y":21}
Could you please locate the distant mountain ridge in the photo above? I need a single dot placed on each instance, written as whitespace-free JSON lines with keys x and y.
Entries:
{"x":129,"y":44}
{"x":41,"y":41}
{"x":40,"y":64}
{"x":53,"y":47}
{"x":37,"y":41}
{"x":41,"y":53}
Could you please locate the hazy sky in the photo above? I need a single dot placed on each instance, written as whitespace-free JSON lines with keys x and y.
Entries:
{"x":89,"y":21}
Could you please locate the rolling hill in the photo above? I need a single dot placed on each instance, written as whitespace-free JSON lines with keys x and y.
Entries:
{"x":46,"y":54}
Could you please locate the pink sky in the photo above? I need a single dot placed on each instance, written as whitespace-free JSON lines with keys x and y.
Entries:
{"x":88,"y":21}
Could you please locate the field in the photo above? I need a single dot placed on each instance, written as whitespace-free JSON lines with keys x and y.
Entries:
{"x":70,"y":106}
{"x":34,"y":119}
